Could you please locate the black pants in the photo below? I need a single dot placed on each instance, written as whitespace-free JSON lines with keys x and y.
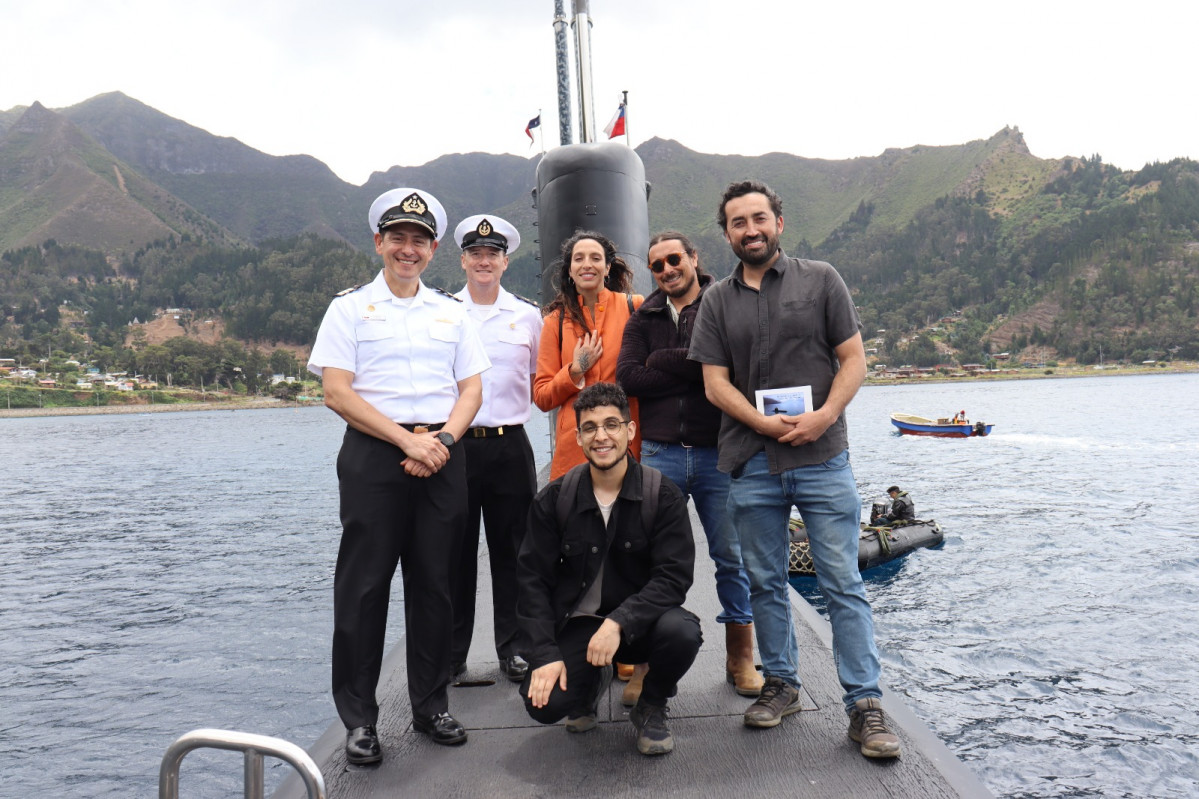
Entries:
{"x":501,"y":479}
{"x":669,"y":647}
{"x":389,"y":517}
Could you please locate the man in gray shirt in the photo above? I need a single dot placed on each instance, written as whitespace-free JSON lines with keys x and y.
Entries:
{"x":789,"y":327}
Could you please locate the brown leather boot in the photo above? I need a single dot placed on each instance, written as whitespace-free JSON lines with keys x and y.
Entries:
{"x":739,"y":646}
{"x":632,"y":689}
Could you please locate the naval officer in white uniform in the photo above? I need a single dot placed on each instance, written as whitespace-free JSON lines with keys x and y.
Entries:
{"x":500,"y":471}
{"x":401,"y":363}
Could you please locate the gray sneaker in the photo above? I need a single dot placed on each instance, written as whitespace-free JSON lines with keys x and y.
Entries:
{"x":778,"y":699}
{"x":868,"y":727}
{"x":580,"y":721}
{"x":653,"y":736}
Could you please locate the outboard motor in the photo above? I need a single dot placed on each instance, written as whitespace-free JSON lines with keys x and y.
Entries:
{"x":596,"y":186}
{"x":881,"y":507}
{"x":980,"y":429}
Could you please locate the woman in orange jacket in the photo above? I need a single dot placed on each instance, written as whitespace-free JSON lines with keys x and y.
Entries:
{"x":580,"y":336}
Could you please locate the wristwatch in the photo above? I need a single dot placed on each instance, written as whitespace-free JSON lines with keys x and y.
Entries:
{"x":446,"y":438}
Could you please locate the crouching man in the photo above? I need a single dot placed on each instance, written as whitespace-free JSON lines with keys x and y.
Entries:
{"x":603,"y":571}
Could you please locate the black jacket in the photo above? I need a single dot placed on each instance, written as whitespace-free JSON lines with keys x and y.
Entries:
{"x":646,"y":572}
{"x":653,"y":367}
{"x":902,"y":507}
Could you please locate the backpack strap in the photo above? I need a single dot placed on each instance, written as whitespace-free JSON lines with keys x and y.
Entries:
{"x":566,"y":494}
{"x":651,"y":484}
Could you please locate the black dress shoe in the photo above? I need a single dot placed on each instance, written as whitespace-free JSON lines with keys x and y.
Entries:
{"x":514,"y":668}
{"x":443,"y":728}
{"x":362,"y":746}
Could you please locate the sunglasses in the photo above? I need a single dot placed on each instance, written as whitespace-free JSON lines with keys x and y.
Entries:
{"x":674,"y":259}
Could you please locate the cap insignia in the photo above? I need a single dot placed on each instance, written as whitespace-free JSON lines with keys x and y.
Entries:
{"x":413,"y":204}
{"x":484,"y":228}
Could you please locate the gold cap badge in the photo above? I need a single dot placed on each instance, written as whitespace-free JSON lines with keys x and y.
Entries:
{"x":413,"y":204}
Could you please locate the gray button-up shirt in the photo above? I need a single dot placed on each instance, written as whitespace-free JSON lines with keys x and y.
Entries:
{"x":782,"y":336}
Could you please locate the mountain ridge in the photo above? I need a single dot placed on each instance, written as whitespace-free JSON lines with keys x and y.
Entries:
{"x":1034,"y":250}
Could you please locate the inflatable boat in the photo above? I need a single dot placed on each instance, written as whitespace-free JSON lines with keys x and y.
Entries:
{"x":876,"y":545}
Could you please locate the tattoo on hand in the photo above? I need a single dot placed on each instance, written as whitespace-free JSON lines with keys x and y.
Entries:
{"x":584,"y":362}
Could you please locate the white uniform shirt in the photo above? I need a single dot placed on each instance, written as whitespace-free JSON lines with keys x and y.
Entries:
{"x":407,"y":355}
{"x":511,"y":332}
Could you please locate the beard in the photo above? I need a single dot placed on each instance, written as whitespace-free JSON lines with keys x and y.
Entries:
{"x":757,"y":259}
{"x":681,"y":289}
{"x":605,"y":467}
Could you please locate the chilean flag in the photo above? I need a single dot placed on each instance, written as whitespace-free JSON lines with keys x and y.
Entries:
{"x":535,"y":122}
{"x":616,"y":126}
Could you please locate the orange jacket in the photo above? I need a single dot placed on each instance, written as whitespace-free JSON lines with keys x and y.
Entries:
{"x":553,"y":388}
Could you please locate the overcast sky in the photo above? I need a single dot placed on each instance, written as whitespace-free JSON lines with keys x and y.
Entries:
{"x":367,"y":85}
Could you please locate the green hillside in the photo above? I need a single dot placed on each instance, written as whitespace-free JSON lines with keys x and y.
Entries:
{"x":60,"y":183}
{"x":111,"y":211}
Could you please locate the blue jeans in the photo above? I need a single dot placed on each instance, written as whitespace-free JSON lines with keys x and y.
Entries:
{"x":827,"y":498}
{"x":693,"y":470}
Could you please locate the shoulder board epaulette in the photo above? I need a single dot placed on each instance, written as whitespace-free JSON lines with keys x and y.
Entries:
{"x":526,"y":299}
{"x":445,"y":293}
{"x":350,"y":290}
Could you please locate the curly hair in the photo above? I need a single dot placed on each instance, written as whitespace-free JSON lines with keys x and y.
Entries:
{"x":620,"y":277}
{"x":744,"y":187}
{"x":598,"y":395}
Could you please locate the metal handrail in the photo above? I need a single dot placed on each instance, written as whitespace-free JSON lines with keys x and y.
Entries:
{"x":253,"y":747}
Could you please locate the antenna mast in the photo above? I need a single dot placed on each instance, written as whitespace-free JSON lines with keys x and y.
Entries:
{"x":582,"y":26}
{"x":565,"y":124}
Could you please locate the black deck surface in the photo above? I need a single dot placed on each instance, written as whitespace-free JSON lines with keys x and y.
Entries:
{"x":510,"y":755}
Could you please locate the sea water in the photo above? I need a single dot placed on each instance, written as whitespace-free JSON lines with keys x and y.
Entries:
{"x":173,"y":571}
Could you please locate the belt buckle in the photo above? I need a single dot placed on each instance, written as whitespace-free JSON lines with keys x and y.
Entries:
{"x":478,"y":432}
{"x":420,"y":428}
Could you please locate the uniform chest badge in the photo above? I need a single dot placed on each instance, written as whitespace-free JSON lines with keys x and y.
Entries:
{"x":371,"y":314}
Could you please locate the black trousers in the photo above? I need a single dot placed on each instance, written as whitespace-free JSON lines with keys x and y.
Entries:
{"x":501,"y":480}
{"x":669,"y":647}
{"x":389,"y":517}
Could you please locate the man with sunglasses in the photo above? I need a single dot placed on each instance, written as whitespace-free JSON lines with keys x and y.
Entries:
{"x":679,"y":428}
{"x":603,"y":571}
{"x":788,"y":326}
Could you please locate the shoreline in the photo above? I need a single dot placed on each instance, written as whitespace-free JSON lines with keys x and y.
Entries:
{"x":263,"y":402}
{"x":98,"y":410}
{"x":1031,"y":374}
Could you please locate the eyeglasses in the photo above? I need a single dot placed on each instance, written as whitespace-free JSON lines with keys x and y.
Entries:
{"x":611,"y":426}
{"x":674,"y":259}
